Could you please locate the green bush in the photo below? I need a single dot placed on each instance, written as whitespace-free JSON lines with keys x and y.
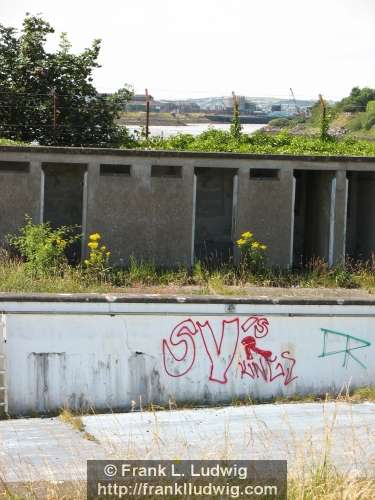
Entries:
{"x":42,"y":247}
{"x":279,"y":122}
{"x":344,"y":278}
{"x":261,"y":143}
{"x":370,"y":122}
{"x":355,"y":124}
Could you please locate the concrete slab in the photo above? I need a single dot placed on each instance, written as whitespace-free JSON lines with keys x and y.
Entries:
{"x":296,"y":432}
{"x":50,"y":450}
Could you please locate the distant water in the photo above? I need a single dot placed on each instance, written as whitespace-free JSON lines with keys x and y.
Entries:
{"x":194,"y":128}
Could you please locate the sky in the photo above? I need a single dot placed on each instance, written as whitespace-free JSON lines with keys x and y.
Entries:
{"x":199,"y":48}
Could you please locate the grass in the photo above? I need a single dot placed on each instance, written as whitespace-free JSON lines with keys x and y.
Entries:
{"x":76,"y":422}
{"x":226,"y":279}
{"x":9,"y":142}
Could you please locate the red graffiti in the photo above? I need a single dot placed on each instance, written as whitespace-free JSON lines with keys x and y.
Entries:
{"x":215,"y":351}
{"x":260,"y":325}
{"x":182,"y":339}
{"x":269,"y":369}
{"x":179,"y":351}
{"x":249,"y":344}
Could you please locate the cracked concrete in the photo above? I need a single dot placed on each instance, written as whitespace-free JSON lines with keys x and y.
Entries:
{"x":47,"y":449}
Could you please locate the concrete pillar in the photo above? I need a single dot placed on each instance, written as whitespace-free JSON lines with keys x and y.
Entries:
{"x":338,"y":218}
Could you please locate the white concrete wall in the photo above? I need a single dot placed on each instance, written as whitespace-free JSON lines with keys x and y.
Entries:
{"x":106,"y":355}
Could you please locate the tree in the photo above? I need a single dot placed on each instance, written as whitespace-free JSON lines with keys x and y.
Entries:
{"x":49,"y":97}
{"x":357,"y":100}
{"x":324,"y":121}
{"x":236,"y":127}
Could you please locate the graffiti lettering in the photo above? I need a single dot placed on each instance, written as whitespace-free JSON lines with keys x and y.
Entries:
{"x":269,"y":368}
{"x":215,"y":351}
{"x":259,"y":323}
{"x":183,"y":353}
{"x":349,"y":344}
{"x":179,"y":351}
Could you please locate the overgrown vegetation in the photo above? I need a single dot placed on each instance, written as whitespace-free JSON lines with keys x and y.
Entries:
{"x":259,"y":143}
{"x":43,"y":248}
{"x":9,"y":142}
{"x":353,"y":116}
{"x":97,"y":263}
{"x":41,"y":265}
{"x":236,"y":127}
{"x":252,"y":252}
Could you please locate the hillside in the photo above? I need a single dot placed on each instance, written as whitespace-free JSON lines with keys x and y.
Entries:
{"x":353,"y":116}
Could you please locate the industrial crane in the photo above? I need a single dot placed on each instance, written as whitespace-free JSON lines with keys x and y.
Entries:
{"x":298,"y":110}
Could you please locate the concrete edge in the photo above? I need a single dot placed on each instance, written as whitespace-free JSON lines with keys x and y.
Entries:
{"x":176,"y":299}
{"x":181,"y":154}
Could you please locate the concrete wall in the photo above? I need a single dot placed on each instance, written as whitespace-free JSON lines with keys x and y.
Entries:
{"x":149,"y":217}
{"x":105,"y":353}
{"x":265,"y":207}
{"x":153,"y":216}
{"x":20,"y":188}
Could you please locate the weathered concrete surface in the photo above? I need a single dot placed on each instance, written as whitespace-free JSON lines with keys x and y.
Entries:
{"x":154,"y":218}
{"x":47,"y":449}
{"x":103,"y":352}
{"x":265,"y":207}
{"x":19,"y":195}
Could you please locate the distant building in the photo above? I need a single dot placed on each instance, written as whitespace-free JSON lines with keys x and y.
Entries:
{"x":245,"y":106}
{"x":179,"y":106}
{"x":138,"y":102}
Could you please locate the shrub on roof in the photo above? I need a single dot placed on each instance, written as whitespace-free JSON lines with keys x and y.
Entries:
{"x":260,"y":143}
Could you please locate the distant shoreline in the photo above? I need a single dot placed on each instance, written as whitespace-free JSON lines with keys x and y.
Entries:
{"x":180,"y":119}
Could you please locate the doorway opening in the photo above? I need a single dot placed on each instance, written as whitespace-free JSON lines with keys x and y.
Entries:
{"x":214,"y":214}
{"x":360,"y":234}
{"x":63,"y":200}
{"x":313,"y":216}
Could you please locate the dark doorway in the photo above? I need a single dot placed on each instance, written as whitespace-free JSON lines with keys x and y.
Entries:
{"x":214,"y":214}
{"x":313,"y":217}
{"x":360,"y":234}
{"x":63,"y":199}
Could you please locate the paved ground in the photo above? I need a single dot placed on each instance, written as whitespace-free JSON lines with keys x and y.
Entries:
{"x":48,"y":449}
{"x":259,"y":292}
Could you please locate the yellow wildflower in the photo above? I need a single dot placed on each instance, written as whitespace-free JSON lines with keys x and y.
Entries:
{"x":247,"y":235}
{"x":263,"y":247}
{"x":87,"y":262}
{"x":103,"y":248}
{"x":108,"y":254}
{"x":255,"y":244}
{"x":95,"y":237}
{"x":93,"y":245}
{"x":241,"y":242}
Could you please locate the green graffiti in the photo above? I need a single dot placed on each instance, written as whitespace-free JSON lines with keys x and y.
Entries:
{"x":350,"y":345}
